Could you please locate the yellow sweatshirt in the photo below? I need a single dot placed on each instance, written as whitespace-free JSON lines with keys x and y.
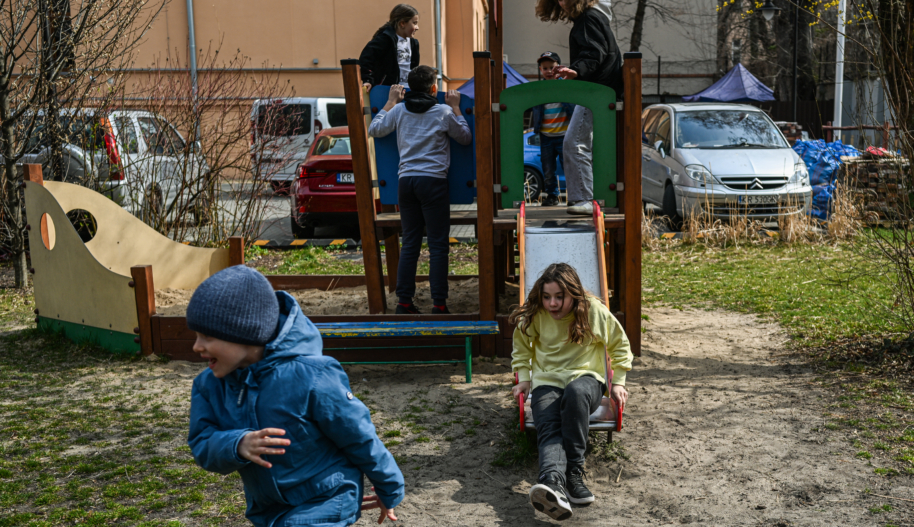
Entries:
{"x":557,"y":362}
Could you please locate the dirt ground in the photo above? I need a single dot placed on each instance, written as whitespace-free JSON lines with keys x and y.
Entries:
{"x":719,"y":430}
{"x":463,"y":297}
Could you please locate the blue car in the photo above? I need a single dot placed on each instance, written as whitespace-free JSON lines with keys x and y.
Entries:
{"x":533,"y":168}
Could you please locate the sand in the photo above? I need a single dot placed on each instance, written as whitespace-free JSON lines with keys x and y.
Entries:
{"x":722,"y":428}
{"x":463,"y":297}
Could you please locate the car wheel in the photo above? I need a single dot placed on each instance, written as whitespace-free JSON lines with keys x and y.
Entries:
{"x":300,"y":229}
{"x":153,"y":204}
{"x":669,"y":208}
{"x":202,"y":209}
{"x":533,"y":184}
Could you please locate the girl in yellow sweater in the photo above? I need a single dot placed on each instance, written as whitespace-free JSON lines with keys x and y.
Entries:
{"x":562,"y":336}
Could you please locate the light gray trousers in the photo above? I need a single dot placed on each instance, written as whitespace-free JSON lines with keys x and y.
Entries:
{"x":578,"y":156}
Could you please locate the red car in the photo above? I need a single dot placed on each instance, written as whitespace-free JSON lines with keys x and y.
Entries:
{"x":323,"y":193}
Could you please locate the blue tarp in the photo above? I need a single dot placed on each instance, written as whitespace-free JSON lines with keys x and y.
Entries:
{"x":738,"y":85}
{"x":514,"y":78}
{"x":823,"y":160}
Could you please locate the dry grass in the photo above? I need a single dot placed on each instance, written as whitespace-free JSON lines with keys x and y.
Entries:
{"x":700,"y":227}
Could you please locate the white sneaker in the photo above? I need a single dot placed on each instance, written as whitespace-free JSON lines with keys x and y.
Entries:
{"x":581,"y":208}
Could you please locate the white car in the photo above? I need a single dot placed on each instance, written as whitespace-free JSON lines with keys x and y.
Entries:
{"x":136,"y":158}
{"x":282,"y":131}
{"x":719,"y":159}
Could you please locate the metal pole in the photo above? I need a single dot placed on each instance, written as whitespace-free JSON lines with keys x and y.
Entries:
{"x":658,"y":79}
{"x":796,"y":48}
{"x":839,"y":67}
{"x":192,"y":43}
{"x":437,"y":43}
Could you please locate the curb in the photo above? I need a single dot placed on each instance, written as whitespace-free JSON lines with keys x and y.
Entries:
{"x":327,"y":242}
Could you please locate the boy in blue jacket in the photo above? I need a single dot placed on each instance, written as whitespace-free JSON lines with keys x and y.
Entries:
{"x":272,"y":407}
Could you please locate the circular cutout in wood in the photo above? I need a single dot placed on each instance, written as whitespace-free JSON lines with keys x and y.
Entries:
{"x":84,"y":223}
{"x":48,"y":234}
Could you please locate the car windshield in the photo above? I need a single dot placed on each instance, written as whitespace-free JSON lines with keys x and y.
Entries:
{"x":82,"y":131}
{"x":332,"y":145}
{"x":726,"y":129}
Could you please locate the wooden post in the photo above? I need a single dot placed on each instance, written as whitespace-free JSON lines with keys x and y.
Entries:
{"x":236,"y":250}
{"x":485,"y":197}
{"x":392,"y":252}
{"x":630,"y":204}
{"x":364,"y":193}
{"x":145,"y":293}
{"x":32,"y":173}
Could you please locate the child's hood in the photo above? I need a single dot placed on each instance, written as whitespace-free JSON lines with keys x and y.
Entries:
{"x":296,"y":335}
{"x":605,"y":6}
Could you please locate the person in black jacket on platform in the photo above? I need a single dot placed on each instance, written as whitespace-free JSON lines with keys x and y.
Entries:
{"x":392,"y":52}
{"x":595,"y":57}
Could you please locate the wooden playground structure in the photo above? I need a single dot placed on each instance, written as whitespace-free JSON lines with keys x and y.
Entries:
{"x":499,"y":185}
{"x":103,"y":290}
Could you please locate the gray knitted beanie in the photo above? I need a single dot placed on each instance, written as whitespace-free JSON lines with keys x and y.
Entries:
{"x":237,"y":305}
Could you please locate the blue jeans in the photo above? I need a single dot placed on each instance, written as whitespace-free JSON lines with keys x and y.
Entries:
{"x":424,"y":206}
{"x":550,"y":150}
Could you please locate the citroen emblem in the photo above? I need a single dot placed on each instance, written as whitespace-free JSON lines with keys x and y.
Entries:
{"x":756,"y":185}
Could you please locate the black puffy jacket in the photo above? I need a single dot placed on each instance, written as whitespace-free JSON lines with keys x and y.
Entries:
{"x":595,"y":56}
{"x":378,"y":61}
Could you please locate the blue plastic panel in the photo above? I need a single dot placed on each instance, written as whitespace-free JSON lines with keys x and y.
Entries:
{"x":461,"y":174}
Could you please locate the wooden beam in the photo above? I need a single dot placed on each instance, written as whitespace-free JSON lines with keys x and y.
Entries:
{"x":145,"y":293}
{"x":364,"y":193}
{"x":630,"y":204}
{"x":236,"y":250}
{"x":391,"y":251}
{"x":32,"y":173}
{"x":485,"y":197}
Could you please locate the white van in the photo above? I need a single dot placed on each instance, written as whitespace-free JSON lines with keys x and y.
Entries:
{"x":282,"y":131}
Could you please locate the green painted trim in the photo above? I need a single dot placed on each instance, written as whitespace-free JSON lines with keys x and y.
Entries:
{"x":596,"y":97}
{"x":113,"y":341}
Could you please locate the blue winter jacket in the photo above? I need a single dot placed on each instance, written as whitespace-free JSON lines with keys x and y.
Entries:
{"x":318,"y":481}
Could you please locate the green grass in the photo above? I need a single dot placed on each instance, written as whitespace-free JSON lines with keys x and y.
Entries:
{"x":801,"y":287}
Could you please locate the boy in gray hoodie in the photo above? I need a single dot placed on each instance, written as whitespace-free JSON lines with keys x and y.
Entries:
{"x":423,"y":130}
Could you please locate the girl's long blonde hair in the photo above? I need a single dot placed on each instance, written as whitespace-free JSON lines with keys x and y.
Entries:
{"x":400,"y":13}
{"x":551,"y":11}
{"x":568,"y":280}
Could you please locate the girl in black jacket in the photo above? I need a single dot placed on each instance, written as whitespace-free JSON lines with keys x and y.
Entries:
{"x":392,"y":52}
{"x":595,"y":57}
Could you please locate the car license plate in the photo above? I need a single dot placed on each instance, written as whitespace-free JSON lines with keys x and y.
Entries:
{"x":758,"y":200}
{"x":345,"y":177}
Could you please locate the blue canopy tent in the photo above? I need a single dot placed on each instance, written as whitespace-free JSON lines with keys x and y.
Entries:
{"x":738,"y":85}
{"x":514,"y":78}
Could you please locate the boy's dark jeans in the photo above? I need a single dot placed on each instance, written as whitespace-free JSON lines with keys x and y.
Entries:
{"x":562,"y":420}
{"x":424,"y":206}
{"x":550,"y":149}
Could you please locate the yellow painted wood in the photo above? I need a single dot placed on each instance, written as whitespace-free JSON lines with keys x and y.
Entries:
{"x":123,"y":241}
{"x":299,"y":242}
{"x":70,"y":284}
{"x":261,"y":242}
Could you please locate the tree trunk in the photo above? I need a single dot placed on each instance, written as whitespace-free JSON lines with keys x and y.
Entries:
{"x":638,"y":26}
{"x":13,"y":197}
{"x":724,"y":25}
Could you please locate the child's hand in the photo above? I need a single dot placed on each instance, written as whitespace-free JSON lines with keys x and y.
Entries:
{"x":521,"y":387}
{"x":565,"y":73}
{"x":256,"y":444}
{"x":620,"y":394}
{"x":367,"y":85}
{"x":452,"y":98}
{"x":373,"y":502}
{"x":397,"y":93}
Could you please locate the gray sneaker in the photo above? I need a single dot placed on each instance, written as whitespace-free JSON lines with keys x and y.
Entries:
{"x":581,"y":208}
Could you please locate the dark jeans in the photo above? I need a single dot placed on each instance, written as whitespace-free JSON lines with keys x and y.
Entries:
{"x":424,"y":206}
{"x":550,"y":149}
{"x":562,"y":420}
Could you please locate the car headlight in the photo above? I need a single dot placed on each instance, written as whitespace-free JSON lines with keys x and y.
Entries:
{"x":800,"y":174}
{"x":699,"y":173}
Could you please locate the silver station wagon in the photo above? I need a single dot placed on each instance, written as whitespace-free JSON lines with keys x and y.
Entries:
{"x":719,"y":159}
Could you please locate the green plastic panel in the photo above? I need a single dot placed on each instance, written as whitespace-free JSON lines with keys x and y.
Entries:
{"x":113,"y":341}
{"x":517,"y":99}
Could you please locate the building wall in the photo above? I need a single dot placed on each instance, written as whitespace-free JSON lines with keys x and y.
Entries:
{"x":686,"y":42}
{"x":289,"y":35}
